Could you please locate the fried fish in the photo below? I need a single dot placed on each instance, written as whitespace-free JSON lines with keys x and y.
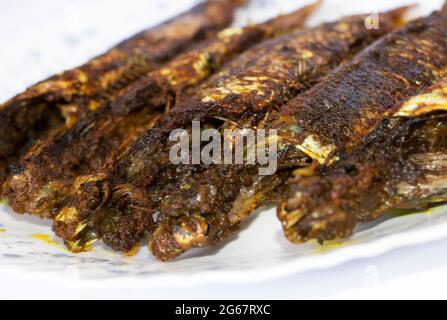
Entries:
{"x":48,"y":175}
{"x":400,"y":164}
{"x":116,"y":205}
{"x":61,"y":100}
{"x":336,"y":114}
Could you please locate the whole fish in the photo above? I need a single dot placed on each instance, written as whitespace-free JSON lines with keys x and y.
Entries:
{"x":400,"y":164}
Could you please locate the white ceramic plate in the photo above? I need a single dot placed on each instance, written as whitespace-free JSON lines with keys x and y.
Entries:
{"x":260,"y":252}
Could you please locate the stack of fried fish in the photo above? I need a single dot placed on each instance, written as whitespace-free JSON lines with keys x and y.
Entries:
{"x":359,"y":111}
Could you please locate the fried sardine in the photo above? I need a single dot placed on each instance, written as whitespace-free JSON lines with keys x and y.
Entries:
{"x":336,"y":114}
{"x":48,"y":175}
{"x":64,"y":98}
{"x":401,"y":164}
{"x":114,"y":206}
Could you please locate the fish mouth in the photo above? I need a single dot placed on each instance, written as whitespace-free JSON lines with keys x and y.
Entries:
{"x":172,"y":239}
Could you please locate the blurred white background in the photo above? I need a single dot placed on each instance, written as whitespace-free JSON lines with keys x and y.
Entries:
{"x":39,"y":38}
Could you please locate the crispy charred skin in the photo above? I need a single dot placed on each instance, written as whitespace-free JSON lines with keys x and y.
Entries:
{"x":401,"y":164}
{"x":333,"y":115}
{"x":259,"y":80}
{"x":64,"y":98}
{"x":44,"y":180}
